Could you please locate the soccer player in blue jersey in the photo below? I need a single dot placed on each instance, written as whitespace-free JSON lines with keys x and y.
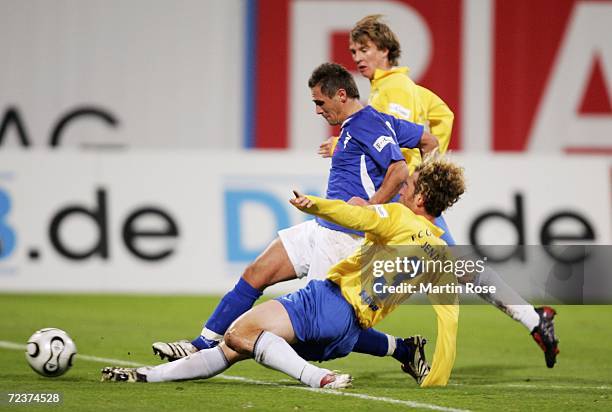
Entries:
{"x":368,"y":164}
{"x":323,"y":320}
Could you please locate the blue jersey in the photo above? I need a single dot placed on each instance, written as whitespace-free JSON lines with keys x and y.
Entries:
{"x":367,"y":146}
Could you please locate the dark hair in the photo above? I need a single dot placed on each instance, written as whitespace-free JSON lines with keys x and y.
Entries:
{"x":440,"y":182}
{"x":370,"y":27}
{"x":331,"y":77}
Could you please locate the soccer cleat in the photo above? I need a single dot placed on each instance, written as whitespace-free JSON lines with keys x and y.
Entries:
{"x":117,"y":374}
{"x":415,"y":363}
{"x":336,"y":380}
{"x":544,"y":335}
{"x":173,"y":350}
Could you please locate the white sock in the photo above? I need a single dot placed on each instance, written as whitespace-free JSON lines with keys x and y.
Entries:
{"x":274,"y":352}
{"x":391,"y":344}
{"x":210,"y":334}
{"x":203,"y":364}
{"x":507,"y":300}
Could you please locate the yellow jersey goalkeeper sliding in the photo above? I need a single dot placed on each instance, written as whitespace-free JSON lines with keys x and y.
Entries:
{"x":323,"y":320}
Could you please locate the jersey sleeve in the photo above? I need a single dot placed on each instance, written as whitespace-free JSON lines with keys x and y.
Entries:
{"x":373,"y":219}
{"x":439,"y":116}
{"x":380,"y":145}
{"x":408,"y":134}
{"x":446,"y":341}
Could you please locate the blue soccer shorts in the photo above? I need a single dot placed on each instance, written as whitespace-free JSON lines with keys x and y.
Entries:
{"x":323,"y":321}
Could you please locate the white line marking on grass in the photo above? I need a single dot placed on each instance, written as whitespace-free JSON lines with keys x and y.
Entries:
{"x":118,"y":362}
{"x":411,"y":404}
{"x":10,"y":345}
{"x":517,"y":385}
{"x":528,"y":386}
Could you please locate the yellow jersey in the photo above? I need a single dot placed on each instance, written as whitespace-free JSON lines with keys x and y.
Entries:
{"x":386,"y":226}
{"x":394,"y":93}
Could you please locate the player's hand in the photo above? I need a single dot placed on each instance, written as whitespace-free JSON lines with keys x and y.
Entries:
{"x":325,"y":148}
{"x":357,"y":201}
{"x":300,"y":201}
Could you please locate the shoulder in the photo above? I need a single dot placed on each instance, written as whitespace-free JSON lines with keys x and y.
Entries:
{"x":369,"y":123}
{"x":399,"y":81}
{"x":391,"y":210}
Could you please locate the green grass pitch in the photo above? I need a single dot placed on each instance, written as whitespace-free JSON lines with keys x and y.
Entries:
{"x":498,"y":365}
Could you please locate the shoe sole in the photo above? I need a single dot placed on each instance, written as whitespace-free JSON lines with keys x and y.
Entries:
{"x":164,"y":356}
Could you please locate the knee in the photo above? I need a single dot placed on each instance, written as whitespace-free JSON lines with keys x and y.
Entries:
{"x":237,"y":340}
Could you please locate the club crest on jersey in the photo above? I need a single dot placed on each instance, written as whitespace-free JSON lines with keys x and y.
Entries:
{"x":400,"y":110}
{"x":421,"y":234}
{"x":382,"y":141}
{"x":346,"y":139}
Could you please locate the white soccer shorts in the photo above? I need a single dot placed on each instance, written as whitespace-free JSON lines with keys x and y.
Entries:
{"x":313,"y":249}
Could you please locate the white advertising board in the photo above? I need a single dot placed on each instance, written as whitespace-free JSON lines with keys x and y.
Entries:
{"x":189,"y":222}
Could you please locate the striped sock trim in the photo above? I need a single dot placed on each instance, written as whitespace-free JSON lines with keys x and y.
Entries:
{"x":391,"y":345}
{"x":211,"y":335}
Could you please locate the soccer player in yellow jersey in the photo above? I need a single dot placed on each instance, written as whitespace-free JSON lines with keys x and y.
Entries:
{"x":323,"y":320}
{"x":376,"y":52}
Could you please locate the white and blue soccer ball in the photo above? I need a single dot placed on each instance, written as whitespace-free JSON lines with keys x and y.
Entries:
{"x":50,"y":352}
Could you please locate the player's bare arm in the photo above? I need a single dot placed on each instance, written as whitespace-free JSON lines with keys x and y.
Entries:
{"x":397,"y":173}
{"x":427,"y":144}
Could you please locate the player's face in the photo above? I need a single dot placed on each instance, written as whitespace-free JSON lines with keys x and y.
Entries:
{"x":329,"y":108}
{"x":368,"y":57}
{"x":407,"y":196}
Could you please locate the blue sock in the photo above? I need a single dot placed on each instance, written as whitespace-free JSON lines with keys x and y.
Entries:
{"x":447,"y":237}
{"x":235,"y":302}
{"x":401,"y":351}
{"x":372,"y":342}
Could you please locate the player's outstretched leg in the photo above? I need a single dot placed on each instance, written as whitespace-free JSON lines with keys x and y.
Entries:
{"x":266,"y":333}
{"x":511,"y":303}
{"x":271,"y":267}
{"x":274,"y":352}
{"x":201,"y":365}
{"x":539,"y":322}
{"x":409,"y":351}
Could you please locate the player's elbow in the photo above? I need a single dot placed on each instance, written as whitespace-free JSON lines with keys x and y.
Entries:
{"x":428,"y":143}
{"x":399,"y":171}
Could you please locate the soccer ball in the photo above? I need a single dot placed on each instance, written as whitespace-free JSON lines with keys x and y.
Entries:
{"x":50,"y":352}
